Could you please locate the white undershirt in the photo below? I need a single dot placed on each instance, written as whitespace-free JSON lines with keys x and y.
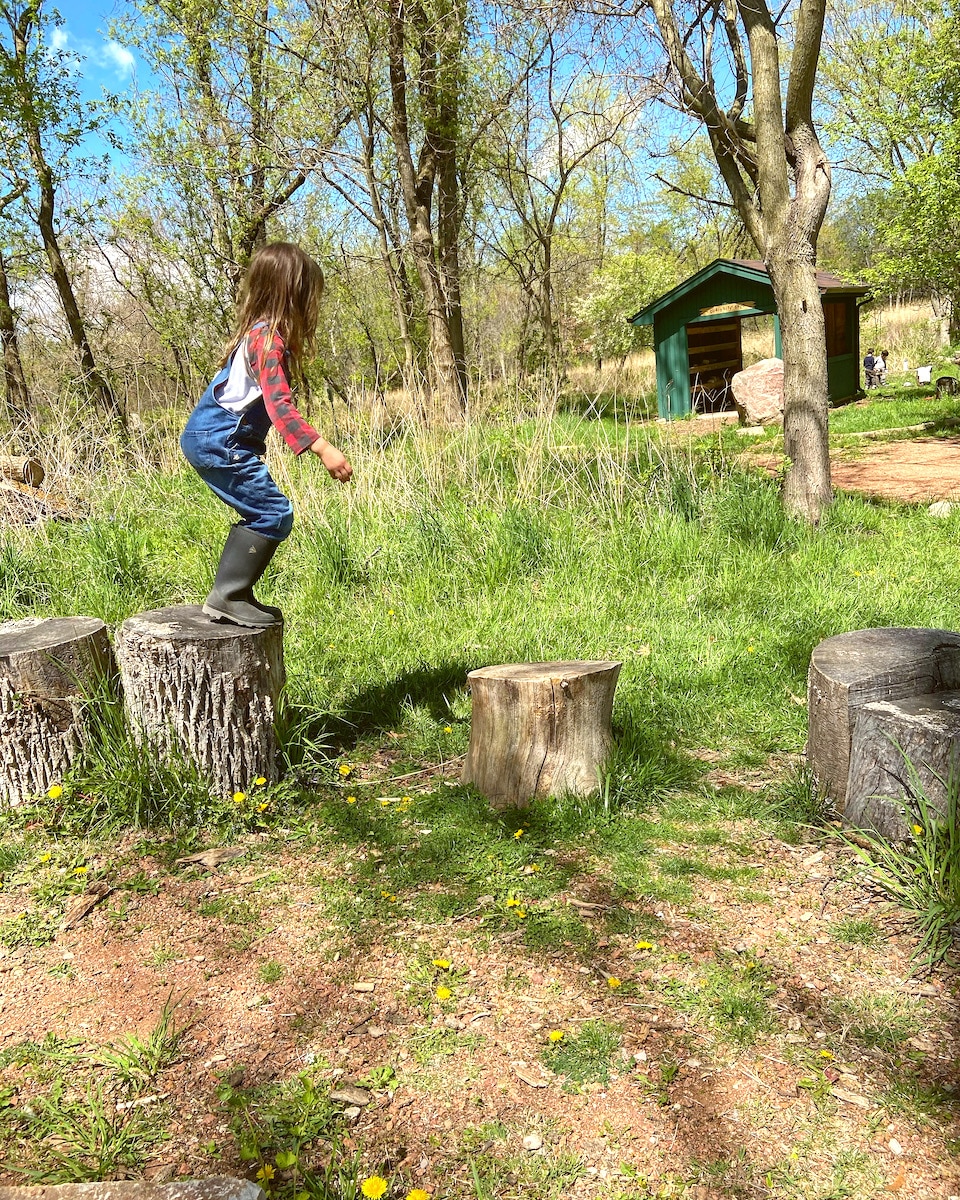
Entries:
{"x":240,"y":390}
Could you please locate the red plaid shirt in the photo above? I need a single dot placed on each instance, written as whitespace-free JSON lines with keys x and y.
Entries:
{"x":268,"y":363}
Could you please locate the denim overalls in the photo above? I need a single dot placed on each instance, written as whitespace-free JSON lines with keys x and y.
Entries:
{"x":226,"y":450}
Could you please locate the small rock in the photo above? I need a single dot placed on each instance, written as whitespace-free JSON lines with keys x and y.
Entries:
{"x":349,"y":1093}
{"x":895,"y":1146}
{"x":533,"y":1141}
{"x":352,"y":1112}
{"x":375,"y":1031}
{"x":363,"y":986}
{"x":941,"y":508}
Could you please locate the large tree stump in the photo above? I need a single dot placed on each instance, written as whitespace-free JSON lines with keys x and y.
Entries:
{"x":204,"y":688}
{"x":900,"y":747}
{"x":539,"y":729}
{"x":47,"y":668}
{"x":863,"y":667}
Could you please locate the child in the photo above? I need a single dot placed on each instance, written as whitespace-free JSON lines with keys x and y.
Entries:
{"x":224,"y":439}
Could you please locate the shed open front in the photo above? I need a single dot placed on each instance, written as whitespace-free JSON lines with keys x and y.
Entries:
{"x":697,"y":334}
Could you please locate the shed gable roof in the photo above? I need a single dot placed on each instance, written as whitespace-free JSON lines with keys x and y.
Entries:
{"x":742,"y":268}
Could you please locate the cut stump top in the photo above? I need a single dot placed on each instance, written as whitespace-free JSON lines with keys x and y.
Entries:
{"x":864,"y":654}
{"x":538,"y":672}
{"x":187,"y":623}
{"x":32,"y":634}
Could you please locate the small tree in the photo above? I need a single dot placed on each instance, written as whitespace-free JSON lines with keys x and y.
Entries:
{"x":768,"y":152}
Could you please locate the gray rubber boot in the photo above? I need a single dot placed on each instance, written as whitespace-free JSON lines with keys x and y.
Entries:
{"x":245,"y":557}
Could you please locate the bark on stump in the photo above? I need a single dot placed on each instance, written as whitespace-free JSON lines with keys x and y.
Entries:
{"x":890,"y":738}
{"x":205,"y":689}
{"x":864,"y":667}
{"x":539,"y":729}
{"x":47,"y":667}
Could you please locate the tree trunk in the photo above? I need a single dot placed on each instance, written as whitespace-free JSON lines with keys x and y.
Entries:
{"x":47,"y":667}
{"x":807,"y":488}
{"x":16,"y":393}
{"x":205,"y":689}
{"x":539,"y":729}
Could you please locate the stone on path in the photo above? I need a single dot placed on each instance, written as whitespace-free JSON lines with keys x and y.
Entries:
{"x":218,"y":1187}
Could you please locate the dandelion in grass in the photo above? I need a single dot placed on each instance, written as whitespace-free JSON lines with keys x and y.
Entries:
{"x":239,"y":797}
{"x":443,"y":993}
{"x":55,"y":792}
{"x":266,"y":1173}
{"x":448,"y":729}
{"x":556,"y":1035}
{"x":750,"y":649}
{"x":79,"y":870}
{"x":260,"y":780}
{"x":643,"y":945}
{"x":613,"y":981}
{"x":442,"y":963}
{"x":263,"y":806}
{"x":373,"y":1187}
{"x":518,"y":834}
{"x":351,"y":799}
{"x":825,"y":1054}
{"x":918,"y":829}
{"x":521,"y":913}
{"x":345,"y":770}
{"x":513,"y":902}
{"x":45,"y":858}
{"x":418,"y":1194}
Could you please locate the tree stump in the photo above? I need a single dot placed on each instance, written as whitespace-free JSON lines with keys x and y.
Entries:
{"x":864,"y":667}
{"x":890,"y":738}
{"x":206,"y":689}
{"x":47,"y":668}
{"x":539,"y":729}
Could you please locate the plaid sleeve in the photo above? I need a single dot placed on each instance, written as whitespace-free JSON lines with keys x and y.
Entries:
{"x":269,"y":368}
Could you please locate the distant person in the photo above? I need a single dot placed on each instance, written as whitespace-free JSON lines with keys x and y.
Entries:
{"x":870,"y":369}
{"x":880,"y":367}
{"x":225,"y":437}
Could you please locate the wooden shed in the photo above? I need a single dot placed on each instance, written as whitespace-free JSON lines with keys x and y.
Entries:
{"x":697,"y":334}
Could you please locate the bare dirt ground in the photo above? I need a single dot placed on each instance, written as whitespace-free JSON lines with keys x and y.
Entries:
{"x":834,"y":1100}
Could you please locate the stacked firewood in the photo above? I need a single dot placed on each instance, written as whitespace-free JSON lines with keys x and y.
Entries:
{"x":22,"y":500}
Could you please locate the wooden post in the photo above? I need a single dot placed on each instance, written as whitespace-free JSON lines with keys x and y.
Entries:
{"x":206,"y":689}
{"x":862,"y":667}
{"x":47,"y":666}
{"x":539,"y":729}
{"x":922,"y":731}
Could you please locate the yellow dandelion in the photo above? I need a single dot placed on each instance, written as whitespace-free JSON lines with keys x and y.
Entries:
{"x":447,"y":729}
{"x":418,"y":1194}
{"x":442,"y":963}
{"x":384,"y":803}
{"x":518,"y":834}
{"x":260,"y":780}
{"x":390,"y":612}
{"x":521,"y":913}
{"x":45,"y":857}
{"x":79,"y":870}
{"x":55,"y":792}
{"x":374,"y":1187}
{"x":345,"y":770}
{"x":239,"y":797}
{"x":266,"y":1173}
{"x":263,"y":806}
{"x":825,"y":1054}
{"x":512,"y":902}
{"x":613,"y":981}
{"x":918,"y":829}
{"x":556,"y":1035}
{"x":443,"y":993}
{"x":351,"y":799}
{"x":750,"y":649}
{"x":643,"y":945}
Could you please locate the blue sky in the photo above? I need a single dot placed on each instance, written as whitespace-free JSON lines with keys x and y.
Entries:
{"x":86,"y":32}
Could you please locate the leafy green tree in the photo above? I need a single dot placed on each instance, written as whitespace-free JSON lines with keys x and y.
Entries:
{"x":624,"y":284}
{"x":43,"y":125}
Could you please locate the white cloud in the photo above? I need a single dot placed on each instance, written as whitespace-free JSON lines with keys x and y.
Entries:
{"x":59,"y":39}
{"x":119,"y":57}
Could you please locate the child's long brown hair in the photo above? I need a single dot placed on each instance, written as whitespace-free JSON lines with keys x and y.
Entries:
{"x":282,"y":287}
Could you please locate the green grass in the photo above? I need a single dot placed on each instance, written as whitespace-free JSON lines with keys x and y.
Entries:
{"x":586,"y":1055}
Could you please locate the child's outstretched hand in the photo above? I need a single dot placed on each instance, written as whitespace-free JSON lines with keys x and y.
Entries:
{"x":333,"y":460}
